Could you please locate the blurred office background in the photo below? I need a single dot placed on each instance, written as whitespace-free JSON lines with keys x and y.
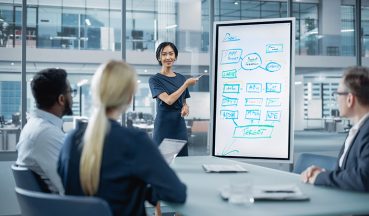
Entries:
{"x":78,"y":35}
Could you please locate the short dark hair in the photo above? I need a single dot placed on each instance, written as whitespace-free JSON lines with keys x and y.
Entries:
{"x":356,"y":79}
{"x":161,"y":47}
{"x":47,"y":85}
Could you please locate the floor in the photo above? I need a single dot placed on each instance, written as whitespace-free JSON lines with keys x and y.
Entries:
{"x":8,"y":201}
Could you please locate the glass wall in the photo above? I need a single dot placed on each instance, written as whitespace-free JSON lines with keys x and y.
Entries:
{"x":242,"y":10}
{"x":10,"y":25}
{"x":10,"y":100}
{"x":323,"y":28}
{"x":79,"y":28}
{"x":307,"y":36}
{"x":347,"y":30}
{"x":320,"y":30}
{"x":10,"y":85}
{"x":365,"y":28}
{"x":87,"y":25}
{"x":142,"y":25}
{"x":64,"y":24}
{"x":78,"y":35}
{"x":68,"y":25}
{"x":320,"y":108}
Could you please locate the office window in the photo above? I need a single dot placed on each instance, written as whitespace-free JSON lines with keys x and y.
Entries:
{"x":307,"y":34}
{"x":63,"y":24}
{"x":365,"y":28}
{"x":347,"y":30}
{"x":240,"y":10}
{"x":6,"y":25}
{"x":140,"y":31}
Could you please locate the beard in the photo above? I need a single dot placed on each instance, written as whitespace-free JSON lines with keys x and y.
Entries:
{"x":68,"y":109}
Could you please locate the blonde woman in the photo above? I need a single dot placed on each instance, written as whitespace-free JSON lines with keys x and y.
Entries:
{"x":118,"y":164}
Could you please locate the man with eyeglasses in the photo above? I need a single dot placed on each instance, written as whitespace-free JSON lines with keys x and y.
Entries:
{"x":352,"y":168}
{"x":42,"y":137}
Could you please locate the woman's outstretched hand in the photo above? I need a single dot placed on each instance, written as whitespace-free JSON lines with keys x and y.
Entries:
{"x":191,"y":81}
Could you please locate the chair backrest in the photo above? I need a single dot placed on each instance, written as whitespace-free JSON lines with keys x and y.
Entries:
{"x":45,"y":204}
{"x":307,"y":159}
{"x":27,"y":179}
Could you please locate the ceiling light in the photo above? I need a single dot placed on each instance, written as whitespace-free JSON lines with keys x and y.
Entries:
{"x":88,"y":22}
{"x":171,"y":26}
{"x":82,"y":82}
{"x":347,"y":30}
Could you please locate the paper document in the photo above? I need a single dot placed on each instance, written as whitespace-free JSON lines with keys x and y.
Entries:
{"x":221,"y":168}
{"x":271,"y":192}
{"x":170,"y":148}
{"x":278,"y":192}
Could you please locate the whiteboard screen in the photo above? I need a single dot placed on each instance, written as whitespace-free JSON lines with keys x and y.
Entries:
{"x":253,"y":68}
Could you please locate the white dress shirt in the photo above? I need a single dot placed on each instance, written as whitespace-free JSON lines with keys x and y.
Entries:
{"x":352,"y":133}
{"x":39,"y":146}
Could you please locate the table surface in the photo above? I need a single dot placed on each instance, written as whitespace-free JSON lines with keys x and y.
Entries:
{"x":203,"y":192}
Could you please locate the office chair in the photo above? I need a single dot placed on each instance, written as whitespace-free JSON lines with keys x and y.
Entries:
{"x":45,"y":204}
{"x":27,"y":179}
{"x":307,"y":159}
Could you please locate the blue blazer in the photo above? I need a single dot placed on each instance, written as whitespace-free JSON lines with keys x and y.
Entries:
{"x":354,"y":173}
{"x":132,"y":171}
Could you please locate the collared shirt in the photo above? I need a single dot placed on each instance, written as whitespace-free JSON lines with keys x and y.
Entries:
{"x":39,"y":146}
{"x":352,"y":133}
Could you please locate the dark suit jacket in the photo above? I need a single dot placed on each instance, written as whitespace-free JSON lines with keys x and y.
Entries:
{"x":354,"y":173}
{"x":130,"y":162}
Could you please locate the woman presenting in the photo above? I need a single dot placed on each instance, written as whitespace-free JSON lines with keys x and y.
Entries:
{"x":170,"y":90}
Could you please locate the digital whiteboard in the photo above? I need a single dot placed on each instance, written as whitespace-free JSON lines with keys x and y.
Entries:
{"x":252,"y":98}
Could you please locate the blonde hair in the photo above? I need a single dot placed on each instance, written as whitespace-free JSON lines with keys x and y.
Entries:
{"x":112,"y":87}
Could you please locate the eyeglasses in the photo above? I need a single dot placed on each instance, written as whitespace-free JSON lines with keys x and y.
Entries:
{"x":336,"y":94}
{"x":73,"y":92}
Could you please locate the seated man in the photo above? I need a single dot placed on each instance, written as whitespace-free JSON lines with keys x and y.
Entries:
{"x":352,"y":169}
{"x":42,"y":137}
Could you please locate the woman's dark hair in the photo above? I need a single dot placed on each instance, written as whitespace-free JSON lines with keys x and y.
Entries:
{"x":356,"y":79}
{"x":161,"y":47}
{"x":47,"y":85}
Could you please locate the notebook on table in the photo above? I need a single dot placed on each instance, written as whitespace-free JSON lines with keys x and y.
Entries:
{"x":222,"y":168}
{"x":270,"y":193}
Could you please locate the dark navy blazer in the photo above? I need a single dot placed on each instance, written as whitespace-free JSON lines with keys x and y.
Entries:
{"x":132,"y":171}
{"x":354,"y":173}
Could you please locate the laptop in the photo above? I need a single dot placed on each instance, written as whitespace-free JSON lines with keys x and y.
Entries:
{"x":170,"y":148}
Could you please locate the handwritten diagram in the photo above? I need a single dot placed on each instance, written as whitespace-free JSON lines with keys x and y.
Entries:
{"x":253,"y":92}
{"x":258,"y":93}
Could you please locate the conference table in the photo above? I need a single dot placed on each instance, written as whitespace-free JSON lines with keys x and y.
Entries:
{"x":203,"y":197}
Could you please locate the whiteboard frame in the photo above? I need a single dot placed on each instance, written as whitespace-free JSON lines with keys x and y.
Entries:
{"x":214,"y":65}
